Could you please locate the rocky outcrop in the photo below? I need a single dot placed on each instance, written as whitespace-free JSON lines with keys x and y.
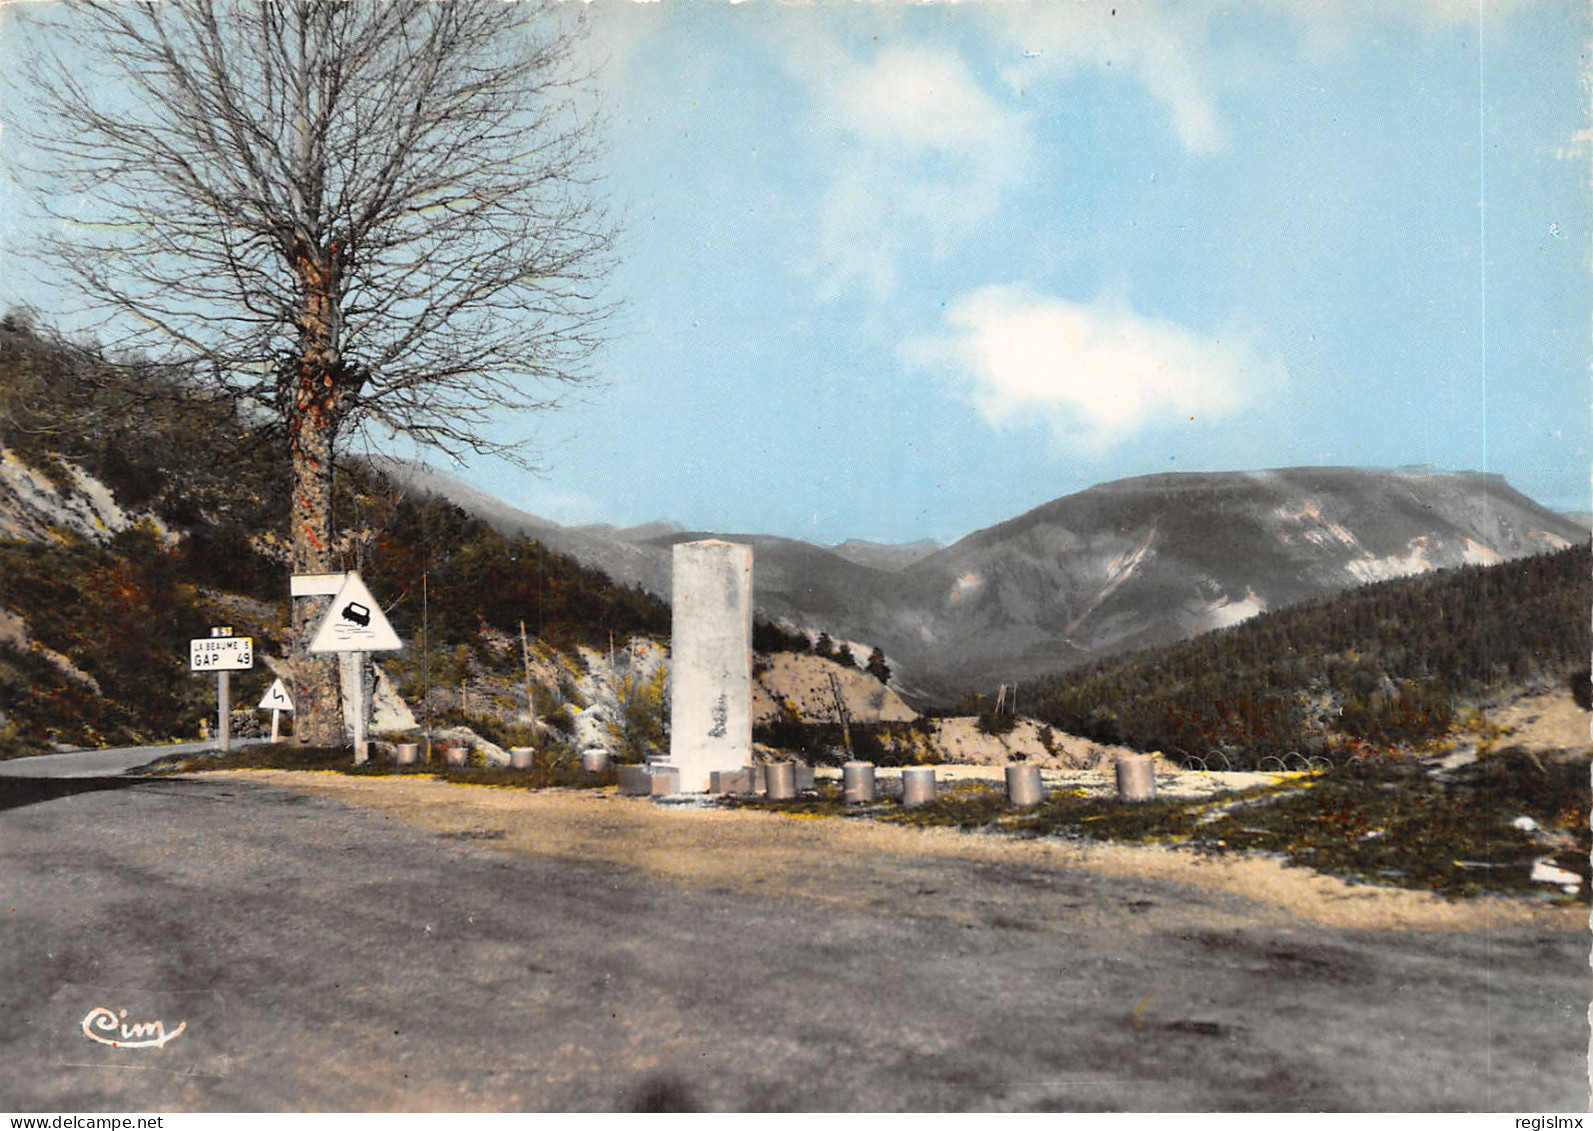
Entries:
{"x":36,"y":507}
{"x":797,"y":686}
{"x":14,"y":634}
{"x":961,"y":741}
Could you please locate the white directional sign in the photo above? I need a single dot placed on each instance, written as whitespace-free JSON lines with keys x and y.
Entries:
{"x":221,"y":654}
{"x":316,"y":584}
{"x":355,"y":623}
{"x":277,"y":699}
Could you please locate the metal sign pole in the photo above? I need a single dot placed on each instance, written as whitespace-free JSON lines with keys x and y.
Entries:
{"x":224,"y":699}
{"x":361,"y":754}
{"x":276,"y":725}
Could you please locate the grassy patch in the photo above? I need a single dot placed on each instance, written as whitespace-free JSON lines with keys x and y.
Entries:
{"x":1067,"y":813}
{"x":965,"y":805}
{"x":1389,"y":822}
{"x":340,"y":759}
{"x":822,"y":801}
{"x":1394,"y":823}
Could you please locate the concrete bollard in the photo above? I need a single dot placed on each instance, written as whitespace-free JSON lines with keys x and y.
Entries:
{"x":1136,"y":778}
{"x":918,"y":786}
{"x":1023,"y":786}
{"x":656,"y":779}
{"x":857,"y":783}
{"x":635,"y":781}
{"x":456,"y":754}
{"x":806,"y":779}
{"x":665,"y":779}
{"x":730,"y":781}
{"x":406,"y":753}
{"x":779,"y":781}
{"x":595,"y":760}
{"x":521,"y":757}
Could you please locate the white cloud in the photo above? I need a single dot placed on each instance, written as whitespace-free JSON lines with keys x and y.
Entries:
{"x":1171,"y":47}
{"x":1581,"y":145}
{"x":1096,"y":374}
{"x":916,"y":158}
{"x":1164,"y":47}
{"x":1355,"y":16}
{"x":919,"y":98}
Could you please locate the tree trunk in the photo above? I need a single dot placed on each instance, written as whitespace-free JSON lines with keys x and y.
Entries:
{"x":317,"y":391}
{"x":317,"y":698}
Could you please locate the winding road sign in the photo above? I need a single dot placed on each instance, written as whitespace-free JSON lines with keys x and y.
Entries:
{"x":276,"y":699}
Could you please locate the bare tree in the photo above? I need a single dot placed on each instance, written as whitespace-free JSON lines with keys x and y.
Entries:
{"x":358,"y":216}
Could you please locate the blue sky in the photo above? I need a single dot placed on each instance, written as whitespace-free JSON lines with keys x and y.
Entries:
{"x":902,"y":271}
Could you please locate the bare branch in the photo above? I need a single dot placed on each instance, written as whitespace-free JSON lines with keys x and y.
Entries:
{"x":351,"y":214}
{"x":399,"y":193}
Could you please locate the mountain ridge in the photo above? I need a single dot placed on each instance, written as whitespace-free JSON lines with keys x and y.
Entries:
{"x":1125,"y":564}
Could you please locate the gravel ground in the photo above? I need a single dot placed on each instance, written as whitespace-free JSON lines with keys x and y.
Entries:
{"x":840,"y":860}
{"x":332,"y":943}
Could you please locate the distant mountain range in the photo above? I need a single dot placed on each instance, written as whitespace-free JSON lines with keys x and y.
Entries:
{"x":1133,"y":563}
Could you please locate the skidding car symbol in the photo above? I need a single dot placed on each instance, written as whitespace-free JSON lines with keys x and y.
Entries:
{"x":357,"y":613}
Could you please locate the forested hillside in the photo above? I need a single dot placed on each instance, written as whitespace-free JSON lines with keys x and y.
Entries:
{"x":94,"y":630}
{"x":1392,"y":663}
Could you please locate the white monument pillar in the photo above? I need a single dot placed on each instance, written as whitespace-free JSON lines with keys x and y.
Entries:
{"x":710,"y":697}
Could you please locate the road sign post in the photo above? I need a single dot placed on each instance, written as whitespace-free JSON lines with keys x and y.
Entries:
{"x":355,"y":623}
{"x":361,"y":750}
{"x":224,"y":706}
{"x":222,"y":653}
{"x":276,"y":700}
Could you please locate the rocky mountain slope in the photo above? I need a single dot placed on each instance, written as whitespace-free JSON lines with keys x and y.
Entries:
{"x":34,"y":507}
{"x":1155,"y":559}
{"x":1400,"y":663}
{"x":1122,"y":565}
{"x":890,"y":557}
{"x":799,"y":686}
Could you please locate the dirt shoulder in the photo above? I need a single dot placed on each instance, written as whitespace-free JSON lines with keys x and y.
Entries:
{"x":856,"y":862}
{"x":1551,"y":721}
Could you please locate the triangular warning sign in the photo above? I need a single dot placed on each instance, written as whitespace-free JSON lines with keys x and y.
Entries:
{"x":277,"y":699}
{"x":355,"y":623}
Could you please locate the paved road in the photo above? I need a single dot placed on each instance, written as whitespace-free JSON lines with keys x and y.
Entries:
{"x":98,"y":763}
{"x":319,"y":956}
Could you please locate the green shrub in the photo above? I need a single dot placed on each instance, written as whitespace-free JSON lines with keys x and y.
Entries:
{"x":996,"y":725}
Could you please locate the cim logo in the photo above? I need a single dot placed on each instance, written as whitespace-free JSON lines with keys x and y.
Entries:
{"x":139,"y":1035}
